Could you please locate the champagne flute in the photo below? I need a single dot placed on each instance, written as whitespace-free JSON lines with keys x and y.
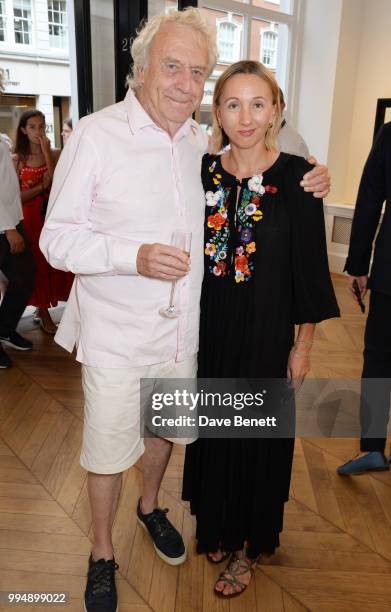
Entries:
{"x":182,"y":240}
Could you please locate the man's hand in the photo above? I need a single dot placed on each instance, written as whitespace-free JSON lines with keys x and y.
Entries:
{"x":317,"y":180}
{"x":362,"y":282}
{"x":162,"y":261}
{"x":15,"y":240}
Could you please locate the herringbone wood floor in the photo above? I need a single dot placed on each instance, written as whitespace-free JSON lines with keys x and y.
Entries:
{"x":336,"y":547}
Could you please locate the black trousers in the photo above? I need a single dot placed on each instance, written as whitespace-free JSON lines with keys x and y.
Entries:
{"x":20,"y":271}
{"x":375,"y":394}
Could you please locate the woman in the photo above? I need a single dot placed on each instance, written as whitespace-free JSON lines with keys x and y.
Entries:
{"x":265,"y":269}
{"x":35,"y":162}
{"x":66,"y":130}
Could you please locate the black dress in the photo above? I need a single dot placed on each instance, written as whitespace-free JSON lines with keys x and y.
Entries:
{"x":266,"y":269}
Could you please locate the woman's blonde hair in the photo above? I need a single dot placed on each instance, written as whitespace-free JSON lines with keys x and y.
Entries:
{"x":189,"y":17}
{"x":219,"y":137}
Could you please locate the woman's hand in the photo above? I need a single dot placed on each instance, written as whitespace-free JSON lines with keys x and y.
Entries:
{"x":298,"y":367}
{"x":46,"y":180}
{"x":45,"y":145}
{"x":15,"y":241}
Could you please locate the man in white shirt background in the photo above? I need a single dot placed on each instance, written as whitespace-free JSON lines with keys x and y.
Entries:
{"x":128,"y":177}
{"x":16,"y":262}
{"x":289,"y":140}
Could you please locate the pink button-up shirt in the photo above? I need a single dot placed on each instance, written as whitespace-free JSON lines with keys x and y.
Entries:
{"x":121,"y":181}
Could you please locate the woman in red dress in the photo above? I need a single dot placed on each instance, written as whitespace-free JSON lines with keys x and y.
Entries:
{"x":35,"y":162}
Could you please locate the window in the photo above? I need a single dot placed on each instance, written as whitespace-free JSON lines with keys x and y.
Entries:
{"x":3,"y":20}
{"x":282,"y":6}
{"x":57,"y":22}
{"x":228,"y":39}
{"x":23,"y":22}
{"x":259,"y":30}
{"x":170,"y":5}
{"x":269,"y":48}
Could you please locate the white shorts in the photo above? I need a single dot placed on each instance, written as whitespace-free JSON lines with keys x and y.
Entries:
{"x":111,"y":435}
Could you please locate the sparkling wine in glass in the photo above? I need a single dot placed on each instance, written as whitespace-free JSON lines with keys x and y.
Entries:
{"x":181,"y":240}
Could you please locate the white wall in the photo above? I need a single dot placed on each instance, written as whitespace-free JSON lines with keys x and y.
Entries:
{"x":346,"y":52}
{"x":320,"y":42}
{"x":344,"y":92}
{"x":35,"y":77}
{"x":373,"y":82}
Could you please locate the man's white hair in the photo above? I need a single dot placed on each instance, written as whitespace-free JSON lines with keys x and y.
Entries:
{"x":191,"y":18}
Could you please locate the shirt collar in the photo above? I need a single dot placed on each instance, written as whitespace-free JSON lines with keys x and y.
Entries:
{"x":138,"y":118}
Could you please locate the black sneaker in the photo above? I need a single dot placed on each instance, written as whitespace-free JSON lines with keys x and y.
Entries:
{"x":5,"y":361}
{"x":101,"y":593}
{"x":16,"y":341}
{"x":166,"y":539}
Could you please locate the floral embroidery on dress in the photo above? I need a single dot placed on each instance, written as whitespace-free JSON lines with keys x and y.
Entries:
{"x":218,"y":224}
{"x":225,"y":251}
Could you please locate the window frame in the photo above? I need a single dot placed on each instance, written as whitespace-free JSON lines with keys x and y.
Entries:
{"x":237,"y":38}
{"x":264,"y":31}
{"x":288,"y":74}
{"x":23,"y":45}
{"x":64,"y":26}
{"x":4,"y":15}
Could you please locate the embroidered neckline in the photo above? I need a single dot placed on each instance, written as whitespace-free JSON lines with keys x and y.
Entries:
{"x":231,"y":249}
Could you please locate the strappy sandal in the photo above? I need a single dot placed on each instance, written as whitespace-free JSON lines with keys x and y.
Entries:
{"x":236,"y":567}
{"x":225,"y":556}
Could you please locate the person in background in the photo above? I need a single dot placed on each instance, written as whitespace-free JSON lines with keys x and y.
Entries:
{"x":374,"y":190}
{"x":5,"y":138}
{"x":288,"y":139}
{"x":67,"y":129}
{"x":16,"y":262}
{"x":34,"y":161}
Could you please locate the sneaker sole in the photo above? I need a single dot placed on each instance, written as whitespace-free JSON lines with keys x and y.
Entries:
{"x":379,"y":469}
{"x":85,"y":609}
{"x":14,"y":346}
{"x":168,"y":560}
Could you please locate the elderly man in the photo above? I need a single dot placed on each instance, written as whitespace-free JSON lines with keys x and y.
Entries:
{"x":129,"y":176}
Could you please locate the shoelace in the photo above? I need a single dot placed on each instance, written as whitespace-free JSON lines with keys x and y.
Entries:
{"x":100,"y":575}
{"x":161,"y":523}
